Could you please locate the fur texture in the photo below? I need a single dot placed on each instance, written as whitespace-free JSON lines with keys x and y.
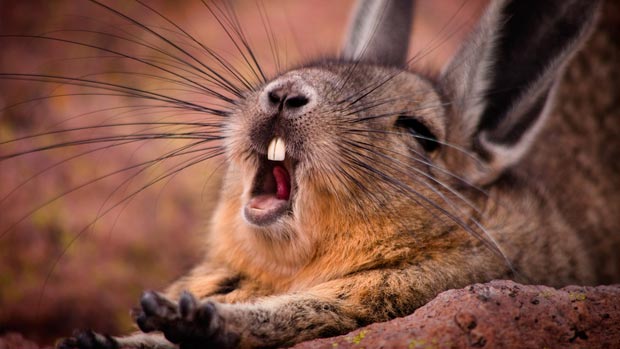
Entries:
{"x":523,"y":184}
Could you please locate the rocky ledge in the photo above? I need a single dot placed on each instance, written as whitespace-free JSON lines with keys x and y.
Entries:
{"x":498,"y":314}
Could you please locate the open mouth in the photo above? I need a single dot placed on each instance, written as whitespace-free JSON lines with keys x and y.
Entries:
{"x":273,"y":188}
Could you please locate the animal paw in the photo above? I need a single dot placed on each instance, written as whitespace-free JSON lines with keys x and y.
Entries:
{"x":188,"y":323}
{"x":86,"y":339}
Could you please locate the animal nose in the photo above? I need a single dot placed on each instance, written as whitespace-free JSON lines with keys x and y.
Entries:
{"x":283,"y":99}
{"x":288,"y":97}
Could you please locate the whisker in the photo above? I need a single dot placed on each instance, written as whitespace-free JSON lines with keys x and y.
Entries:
{"x":133,"y":137}
{"x":127,"y":91}
{"x":235,"y":74}
{"x":271,"y":39}
{"x":101,"y":214}
{"x":377,"y":151}
{"x":422,"y":200}
{"x":428,"y":163}
{"x":89,"y":182}
{"x":170,"y":63}
{"x":168,"y":42}
{"x":75,"y":129}
{"x":233,"y":25}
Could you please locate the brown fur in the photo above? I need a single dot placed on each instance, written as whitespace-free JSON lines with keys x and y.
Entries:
{"x":349,"y":255}
{"x":581,"y":177}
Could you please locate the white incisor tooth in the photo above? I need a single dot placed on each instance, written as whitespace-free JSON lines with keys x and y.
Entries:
{"x":276,"y":150}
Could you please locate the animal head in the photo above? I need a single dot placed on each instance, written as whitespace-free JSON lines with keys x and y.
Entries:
{"x":365,"y":139}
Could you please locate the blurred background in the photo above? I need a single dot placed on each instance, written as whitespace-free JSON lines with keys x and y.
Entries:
{"x":86,"y":227}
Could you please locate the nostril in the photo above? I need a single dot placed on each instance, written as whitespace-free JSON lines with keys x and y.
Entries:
{"x":291,"y":95}
{"x":296,"y":101}
{"x":274,"y":98}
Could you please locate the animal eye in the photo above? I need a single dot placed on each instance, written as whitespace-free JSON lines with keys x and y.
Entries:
{"x":422,"y":134}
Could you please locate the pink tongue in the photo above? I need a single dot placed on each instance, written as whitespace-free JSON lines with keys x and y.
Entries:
{"x":283,"y":183}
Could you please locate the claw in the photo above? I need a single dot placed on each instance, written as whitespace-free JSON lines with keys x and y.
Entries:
{"x":206,"y":313}
{"x":144,"y":325}
{"x":187,"y":306}
{"x":149,"y":303}
{"x":67,"y":343}
{"x":87,"y":339}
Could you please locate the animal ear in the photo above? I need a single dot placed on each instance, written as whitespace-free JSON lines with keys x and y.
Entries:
{"x":379,"y":32}
{"x":500,"y":85}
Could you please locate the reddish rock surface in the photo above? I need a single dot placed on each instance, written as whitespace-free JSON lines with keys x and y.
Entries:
{"x":13,"y":340}
{"x":499,"y":314}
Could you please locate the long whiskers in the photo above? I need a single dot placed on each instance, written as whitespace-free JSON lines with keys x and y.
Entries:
{"x":391,"y":164}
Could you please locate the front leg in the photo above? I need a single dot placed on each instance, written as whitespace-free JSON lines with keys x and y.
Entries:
{"x":328,"y":309}
{"x":271,"y":322}
{"x":205,"y":280}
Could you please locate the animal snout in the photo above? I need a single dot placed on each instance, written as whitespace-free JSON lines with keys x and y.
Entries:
{"x":288,"y":97}
{"x":285,"y":100}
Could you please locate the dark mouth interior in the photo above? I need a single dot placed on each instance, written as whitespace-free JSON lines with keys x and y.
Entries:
{"x":271,"y":194}
{"x":273,"y":179}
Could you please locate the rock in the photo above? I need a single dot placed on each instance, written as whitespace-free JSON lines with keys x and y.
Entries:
{"x":499,"y":314}
{"x":12,"y":340}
